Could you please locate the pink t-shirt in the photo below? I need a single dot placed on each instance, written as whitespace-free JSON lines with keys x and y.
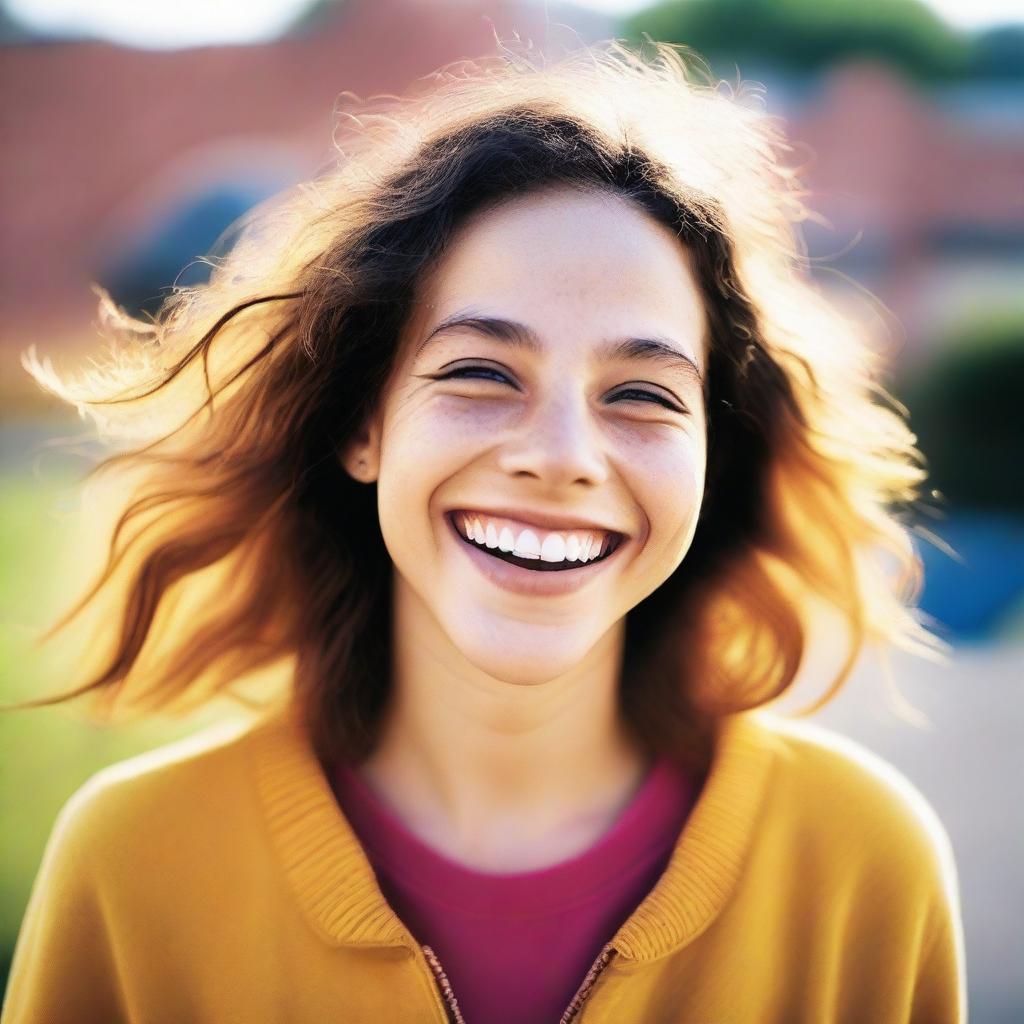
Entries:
{"x":516,"y":947}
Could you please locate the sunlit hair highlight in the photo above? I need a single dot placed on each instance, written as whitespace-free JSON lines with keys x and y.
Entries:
{"x":231,"y":410}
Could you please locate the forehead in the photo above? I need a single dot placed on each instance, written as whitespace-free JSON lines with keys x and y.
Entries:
{"x":576,"y":267}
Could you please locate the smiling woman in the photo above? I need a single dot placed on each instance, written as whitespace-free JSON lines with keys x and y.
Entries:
{"x":532,"y":400}
{"x":523,"y":433}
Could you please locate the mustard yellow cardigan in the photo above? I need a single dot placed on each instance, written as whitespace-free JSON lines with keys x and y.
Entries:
{"x":216,"y":880}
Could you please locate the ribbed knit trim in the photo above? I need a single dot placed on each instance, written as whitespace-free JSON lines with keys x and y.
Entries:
{"x":708,"y":856}
{"x":323,"y":860}
{"x":337,"y":889}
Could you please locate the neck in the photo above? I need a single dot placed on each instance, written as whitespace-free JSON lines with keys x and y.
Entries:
{"x":502,"y":776}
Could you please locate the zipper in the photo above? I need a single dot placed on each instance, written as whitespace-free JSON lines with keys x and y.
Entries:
{"x":454,"y":1014}
{"x":452,"y":1011}
{"x":602,"y":961}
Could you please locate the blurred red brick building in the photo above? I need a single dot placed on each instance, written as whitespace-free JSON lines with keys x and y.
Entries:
{"x":102,"y":142}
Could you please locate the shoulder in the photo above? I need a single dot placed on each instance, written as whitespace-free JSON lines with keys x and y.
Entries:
{"x":160,"y":798}
{"x":842,"y":828}
{"x":820,"y":761}
{"x":846,"y":800}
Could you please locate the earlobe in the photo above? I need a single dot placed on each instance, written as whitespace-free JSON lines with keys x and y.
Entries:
{"x":358,"y":464}
{"x":360,"y":456}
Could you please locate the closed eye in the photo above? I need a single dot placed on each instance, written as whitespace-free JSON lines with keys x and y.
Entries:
{"x":659,"y":399}
{"x":471,"y":371}
{"x":464,"y":371}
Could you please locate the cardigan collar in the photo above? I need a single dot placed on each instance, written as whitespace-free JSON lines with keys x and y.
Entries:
{"x":334,"y":882}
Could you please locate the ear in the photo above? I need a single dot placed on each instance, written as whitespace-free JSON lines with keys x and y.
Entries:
{"x":361,"y":455}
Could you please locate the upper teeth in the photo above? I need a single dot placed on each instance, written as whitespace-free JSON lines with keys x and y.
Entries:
{"x":527,"y":542}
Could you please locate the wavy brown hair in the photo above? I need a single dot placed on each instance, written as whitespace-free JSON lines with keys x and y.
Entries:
{"x":240,"y":397}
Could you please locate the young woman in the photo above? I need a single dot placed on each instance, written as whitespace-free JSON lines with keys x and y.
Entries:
{"x":523,"y":434}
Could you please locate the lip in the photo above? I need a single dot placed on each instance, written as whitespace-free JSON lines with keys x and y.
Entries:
{"x":518,"y":580}
{"x":542,"y":520}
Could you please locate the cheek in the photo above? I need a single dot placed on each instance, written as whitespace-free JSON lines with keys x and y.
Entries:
{"x":467,"y":422}
{"x":423,"y":438}
{"x":423,"y":445}
{"x":428,"y":443}
{"x":668,"y":483}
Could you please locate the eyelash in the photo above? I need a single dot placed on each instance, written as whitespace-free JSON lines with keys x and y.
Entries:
{"x":461,"y":371}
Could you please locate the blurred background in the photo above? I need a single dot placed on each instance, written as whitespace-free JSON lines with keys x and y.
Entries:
{"x":135,"y":133}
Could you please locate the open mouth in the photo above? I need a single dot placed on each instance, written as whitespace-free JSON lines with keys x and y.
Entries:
{"x":611,"y":543}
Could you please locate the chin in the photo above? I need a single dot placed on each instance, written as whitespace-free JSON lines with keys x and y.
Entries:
{"x":522,"y":657}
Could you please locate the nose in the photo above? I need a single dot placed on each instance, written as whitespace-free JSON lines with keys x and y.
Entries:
{"x":557,"y":443}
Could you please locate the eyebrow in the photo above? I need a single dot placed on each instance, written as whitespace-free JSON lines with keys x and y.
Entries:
{"x":518,"y":335}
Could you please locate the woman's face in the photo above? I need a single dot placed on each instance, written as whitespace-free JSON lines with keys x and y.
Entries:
{"x":526,"y":394}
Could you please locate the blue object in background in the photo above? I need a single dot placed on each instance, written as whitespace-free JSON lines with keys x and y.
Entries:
{"x":142,"y":276}
{"x":974,"y":598}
